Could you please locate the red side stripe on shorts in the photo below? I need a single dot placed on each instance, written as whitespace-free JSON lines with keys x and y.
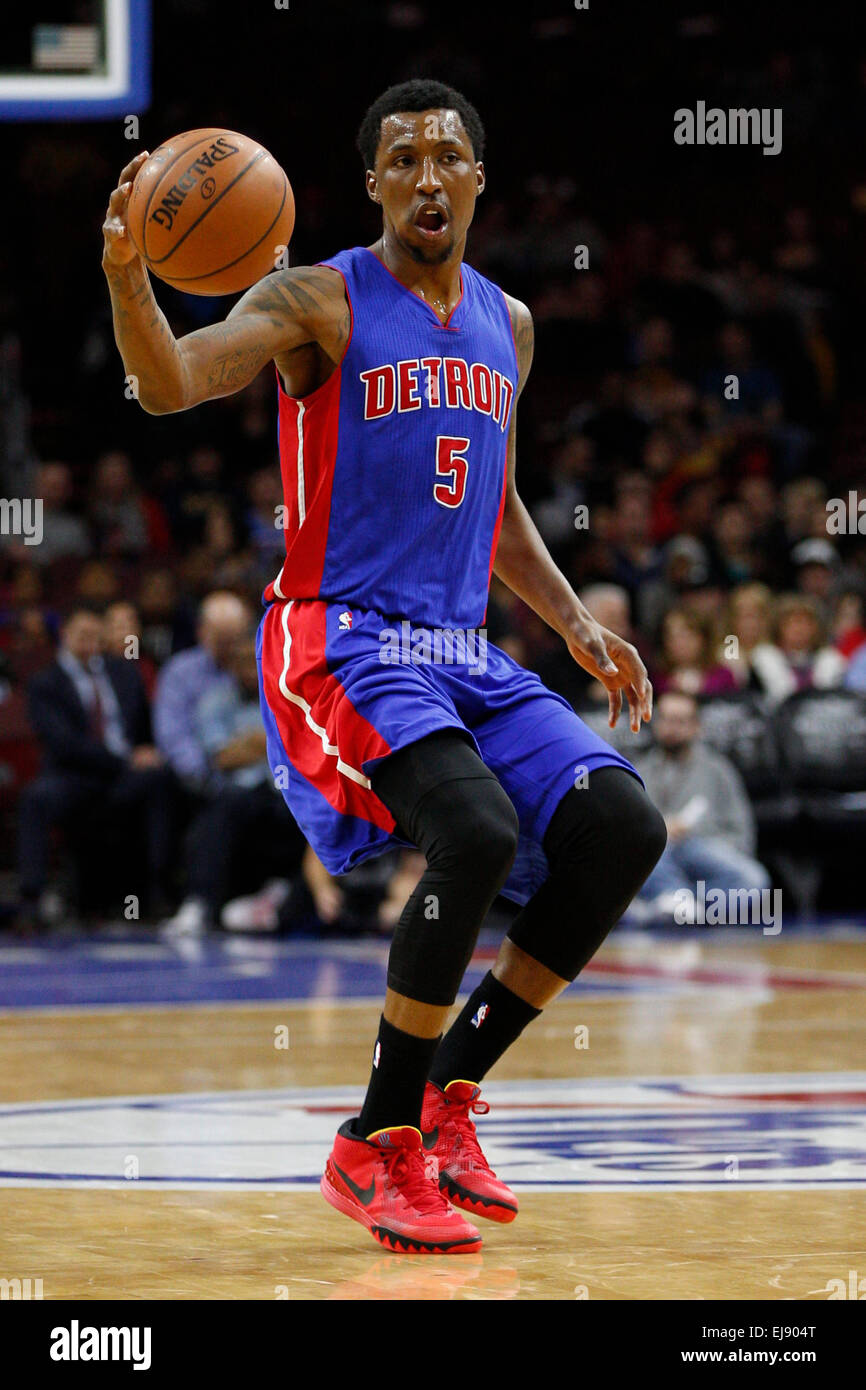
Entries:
{"x":324,"y":736}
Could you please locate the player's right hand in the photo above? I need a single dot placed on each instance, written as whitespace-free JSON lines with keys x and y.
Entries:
{"x":118,"y":249}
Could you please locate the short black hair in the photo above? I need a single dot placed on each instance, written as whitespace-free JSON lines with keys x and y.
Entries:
{"x":421,"y":94}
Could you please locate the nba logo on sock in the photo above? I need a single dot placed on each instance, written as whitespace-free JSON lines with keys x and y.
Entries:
{"x":377,"y":1052}
{"x":345,"y":621}
{"x":480,"y":1015}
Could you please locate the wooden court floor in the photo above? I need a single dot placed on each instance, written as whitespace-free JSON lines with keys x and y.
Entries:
{"x":800,"y":1014}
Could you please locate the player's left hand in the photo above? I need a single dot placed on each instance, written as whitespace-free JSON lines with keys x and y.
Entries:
{"x":615,"y":663}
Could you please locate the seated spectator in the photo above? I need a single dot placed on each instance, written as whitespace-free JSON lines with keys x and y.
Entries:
{"x":637,"y":560}
{"x":804,"y":514}
{"x":64,"y":535}
{"x":262,"y":515}
{"x":855,"y":676}
{"x":816,"y":564}
{"x":609,"y":605}
{"x":122,"y":523}
{"x":26,"y":623}
{"x":91,"y":716}
{"x":242,"y":806}
{"x":190,"y":675}
{"x":121,"y":637}
{"x":732,"y":534}
{"x":799,"y":657}
{"x":749,"y":619}
{"x":709,"y":819}
{"x":770,"y":547}
{"x":168,"y":621}
{"x":848,"y":626}
{"x":205,"y":481}
{"x":555,"y":514}
{"x":759,"y":390}
{"x":98,"y":584}
{"x":688,"y":663}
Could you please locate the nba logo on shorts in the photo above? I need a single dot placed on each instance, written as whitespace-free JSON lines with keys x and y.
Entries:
{"x":480,"y":1015}
{"x":377,"y":1052}
{"x":345,"y":621}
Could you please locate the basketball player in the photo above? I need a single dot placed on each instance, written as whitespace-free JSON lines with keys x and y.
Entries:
{"x":398,"y":372}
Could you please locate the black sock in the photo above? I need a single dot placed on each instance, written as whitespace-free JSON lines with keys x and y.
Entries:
{"x":396,"y":1090}
{"x":491,"y":1020}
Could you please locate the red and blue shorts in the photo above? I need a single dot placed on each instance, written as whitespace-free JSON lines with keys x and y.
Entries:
{"x":343,"y":687}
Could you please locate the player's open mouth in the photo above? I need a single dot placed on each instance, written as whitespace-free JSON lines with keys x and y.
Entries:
{"x":431,"y":219}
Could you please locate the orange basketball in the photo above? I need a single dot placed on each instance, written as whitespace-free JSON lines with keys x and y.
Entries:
{"x":210,"y":212}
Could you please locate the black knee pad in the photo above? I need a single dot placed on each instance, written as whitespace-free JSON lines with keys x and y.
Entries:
{"x":474,"y":830}
{"x":602,"y":842}
{"x":649,"y":836}
{"x":611,"y":814}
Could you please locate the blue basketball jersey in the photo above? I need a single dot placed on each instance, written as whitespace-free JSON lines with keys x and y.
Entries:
{"x":394,"y":469}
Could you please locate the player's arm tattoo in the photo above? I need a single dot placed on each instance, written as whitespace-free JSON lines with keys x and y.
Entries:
{"x":237,"y":368}
{"x":278,"y":316}
{"x":304,"y":297}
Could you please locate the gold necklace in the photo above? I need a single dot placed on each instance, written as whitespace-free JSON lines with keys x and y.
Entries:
{"x":436,"y":304}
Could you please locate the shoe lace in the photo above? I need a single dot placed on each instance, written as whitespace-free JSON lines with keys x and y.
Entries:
{"x":409,"y":1172}
{"x":466,"y":1138}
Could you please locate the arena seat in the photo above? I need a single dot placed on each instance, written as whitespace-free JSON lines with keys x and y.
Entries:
{"x":823,"y":738}
{"x":741,"y":727}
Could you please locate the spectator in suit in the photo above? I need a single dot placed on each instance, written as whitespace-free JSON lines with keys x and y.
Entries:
{"x":91,"y":716}
{"x":709,"y":819}
{"x":122,"y":638}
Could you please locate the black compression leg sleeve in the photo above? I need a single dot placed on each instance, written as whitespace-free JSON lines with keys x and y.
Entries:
{"x":602,"y":842}
{"x":447,"y":802}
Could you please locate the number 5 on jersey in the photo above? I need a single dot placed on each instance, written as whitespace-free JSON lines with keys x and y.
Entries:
{"x":451,"y":464}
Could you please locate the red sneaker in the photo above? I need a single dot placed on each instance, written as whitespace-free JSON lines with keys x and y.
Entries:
{"x":389,"y":1185}
{"x":465,"y":1176}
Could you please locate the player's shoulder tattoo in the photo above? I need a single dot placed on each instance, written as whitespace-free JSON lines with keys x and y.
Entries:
{"x":524,"y":335}
{"x":305,"y":291}
{"x":314,"y":295}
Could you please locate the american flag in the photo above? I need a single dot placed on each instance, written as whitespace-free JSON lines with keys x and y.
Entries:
{"x":65,"y":46}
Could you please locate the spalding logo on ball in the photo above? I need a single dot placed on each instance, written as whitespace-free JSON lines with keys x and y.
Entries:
{"x":210,"y":211}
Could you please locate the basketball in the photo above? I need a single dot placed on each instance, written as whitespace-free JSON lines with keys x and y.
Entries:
{"x":210,"y":211}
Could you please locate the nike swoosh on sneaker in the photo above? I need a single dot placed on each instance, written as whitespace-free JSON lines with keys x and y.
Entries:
{"x":364,"y":1195}
{"x":430,"y":1140}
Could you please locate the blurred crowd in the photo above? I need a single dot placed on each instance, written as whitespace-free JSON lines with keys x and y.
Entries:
{"x":690,"y":433}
